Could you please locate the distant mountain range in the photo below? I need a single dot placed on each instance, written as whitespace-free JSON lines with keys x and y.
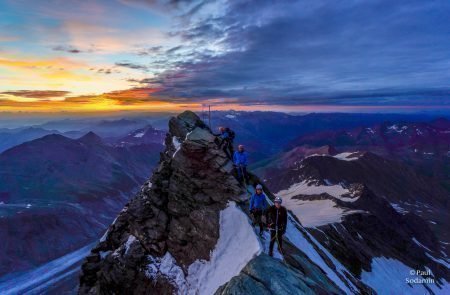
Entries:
{"x":422,"y":138}
{"x":425,"y":146}
{"x":58,"y":194}
{"x":110,"y":130}
{"x":268,"y":133}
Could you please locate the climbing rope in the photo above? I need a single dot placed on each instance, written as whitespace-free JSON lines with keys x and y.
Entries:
{"x":278,"y":242}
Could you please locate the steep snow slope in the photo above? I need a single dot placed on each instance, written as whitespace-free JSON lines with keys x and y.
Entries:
{"x":236,"y":246}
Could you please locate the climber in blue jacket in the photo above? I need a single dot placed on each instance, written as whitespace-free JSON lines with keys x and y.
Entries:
{"x":240,"y":161}
{"x":258,"y":205}
{"x":225,"y":141}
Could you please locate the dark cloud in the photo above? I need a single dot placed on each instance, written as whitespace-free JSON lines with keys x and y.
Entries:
{"x":38,"y":94}
{"x":308,"y":52}
{"x":104,"y":71}
{"x":186,"y":6}
{"x":68,"y":49}
{"x":131,"y":65}
{"x":173,"y":49}
{"x":150,"y":51}
{"x":74,"y":50}
{"x":141,"y":81}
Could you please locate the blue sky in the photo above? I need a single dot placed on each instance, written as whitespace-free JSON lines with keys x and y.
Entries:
{"x":134,"y":54}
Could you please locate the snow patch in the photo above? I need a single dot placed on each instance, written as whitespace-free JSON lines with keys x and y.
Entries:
{"x":230,"y":116}
{"x":305,"y":188}
{"x":397,"y":128}
{"x":420,"y":244}
{"x":140,"y":134}
{"x":348,"y":156}
{"x":398,"y":208}
{"x":103,"y":254}
{"x":103,"y":238}
{"x":129,"y":242}
{"x":236,"y":246}
{"x":370,"y":130}
{"x":177,"y":144}
{"x":167,"y":267}
{"x":316,"y":212}
{"x":438,"y":260}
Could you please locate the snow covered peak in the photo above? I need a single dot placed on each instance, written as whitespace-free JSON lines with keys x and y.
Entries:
{"x":396,"y":128}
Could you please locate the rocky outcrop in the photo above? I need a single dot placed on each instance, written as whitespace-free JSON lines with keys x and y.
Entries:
{"x":176,"y":212}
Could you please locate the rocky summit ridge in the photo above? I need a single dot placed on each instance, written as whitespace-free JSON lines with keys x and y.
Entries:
{"x":187,"y":232}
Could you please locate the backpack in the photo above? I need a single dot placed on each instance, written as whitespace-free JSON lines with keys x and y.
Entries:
{"x":231,"y":134}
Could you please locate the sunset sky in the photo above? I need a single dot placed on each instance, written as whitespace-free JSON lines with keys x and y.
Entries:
{"x":144,"y":55}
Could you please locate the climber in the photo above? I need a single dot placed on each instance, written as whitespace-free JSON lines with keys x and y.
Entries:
{"x":277,"y":221}
{"x":240,"y":162}
{"x":258,"y":206}
{"x":226,"y":137}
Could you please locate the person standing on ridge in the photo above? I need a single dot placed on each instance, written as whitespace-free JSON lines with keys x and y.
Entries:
{"x":258,"y":205}
{"x":240,"y":161}
{"x":226,"y":137}
{"x":277,"y":221}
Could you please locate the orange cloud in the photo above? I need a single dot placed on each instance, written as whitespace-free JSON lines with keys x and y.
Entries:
{"x":38,"y":94}
{"x":135,"y":99}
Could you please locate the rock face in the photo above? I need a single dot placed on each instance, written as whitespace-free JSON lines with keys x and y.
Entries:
{"x":174,"y":222}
